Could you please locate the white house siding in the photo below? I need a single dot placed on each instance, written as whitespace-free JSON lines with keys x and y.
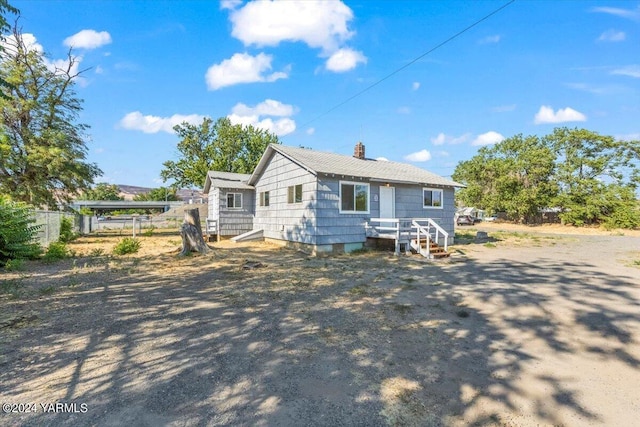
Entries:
{"x":334,"y":227}
{"x":409,"y":204}
{"x":232,"y":222}
{"x":281,"y":220}
{"x":214,"y":205}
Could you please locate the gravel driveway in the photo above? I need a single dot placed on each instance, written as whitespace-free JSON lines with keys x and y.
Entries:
{"x":533,"y":331}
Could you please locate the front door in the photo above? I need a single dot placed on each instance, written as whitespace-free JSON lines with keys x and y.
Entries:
{"x":387,"y":202}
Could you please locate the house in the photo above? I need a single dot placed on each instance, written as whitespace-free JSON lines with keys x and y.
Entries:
{"x":230,"y":203}
{"x":323,"y":202}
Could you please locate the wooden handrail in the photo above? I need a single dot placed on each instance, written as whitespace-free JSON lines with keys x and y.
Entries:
{"x":397,"y":229}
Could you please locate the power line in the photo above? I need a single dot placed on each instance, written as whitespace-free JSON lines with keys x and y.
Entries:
{"x":459,"y":33}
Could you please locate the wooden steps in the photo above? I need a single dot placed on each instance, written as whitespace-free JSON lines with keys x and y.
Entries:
{"x":435,"y":250}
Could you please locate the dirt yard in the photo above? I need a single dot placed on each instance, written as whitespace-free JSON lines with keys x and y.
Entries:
{"x":524,"y":329}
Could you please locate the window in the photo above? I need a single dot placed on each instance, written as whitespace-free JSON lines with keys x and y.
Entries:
{"x":234,"y":200}
{"x":354,"y":197}
{"x":432,"y":198}
{"x":294,"y":194}
{"x":264,"y":198}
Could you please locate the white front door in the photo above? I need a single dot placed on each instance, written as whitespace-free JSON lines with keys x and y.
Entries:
{"x":387,"y":202}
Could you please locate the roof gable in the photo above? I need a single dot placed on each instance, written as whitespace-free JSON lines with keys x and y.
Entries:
{"x":220,"y":179}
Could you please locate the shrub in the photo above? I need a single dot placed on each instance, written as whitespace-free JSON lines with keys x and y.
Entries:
{"x":96,"y":252}
{"x":66,"y":230}
{"x":623,"y":218}
{"x":128,"y":245}
{"x":14,"y":265}
{"x":149,"y":232}
{"x":17,"y":231}
{"x":56,"y":251}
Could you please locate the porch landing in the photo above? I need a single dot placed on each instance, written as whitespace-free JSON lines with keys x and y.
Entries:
{"x":419,"y":235}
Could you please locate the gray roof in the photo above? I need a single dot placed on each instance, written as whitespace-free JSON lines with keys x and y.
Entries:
{"x":338,"y":164}
{"x":217,"y":179}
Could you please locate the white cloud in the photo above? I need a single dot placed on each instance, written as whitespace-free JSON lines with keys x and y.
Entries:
{"x":345,"y":59}
{"x":29,"y":40}
{"x":442,"y":154}
{"x":242,"y":68}
{"x":404,"y":110}
{"x":268,"y":107}
{"x":612,"y":36}
{"x":415,"y":86}
{"x":460,"y":139}
{"x":88,"y":39}
{"x":63,"y":64}
{"x":623,"y":13}
{"x":311,"y":131}
{"x":382,"y":159}
{"x":230,"y":4}
{"x":547,"y":115}
{"x":99,"y":70}
{"x":442,"y":139}
{"x":246,"y":115}
{"x":490,"y":39}
{"x":629,"y":70}
{"x":57,"y":66}
{"x":418,"y":156}
{"x":319,"y":24}
{"x":155,"y":124}
{"x":488,"y":138}
{"x":279,"y":127}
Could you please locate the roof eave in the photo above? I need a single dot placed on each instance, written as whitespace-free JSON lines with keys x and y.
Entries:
{"x":207,"y":184}
{"x":261,"y":165}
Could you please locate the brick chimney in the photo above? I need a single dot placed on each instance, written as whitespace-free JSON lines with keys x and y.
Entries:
{"x":358,"y":151}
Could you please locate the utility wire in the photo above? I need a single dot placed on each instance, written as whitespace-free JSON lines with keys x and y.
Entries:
{"x":459,"y":33}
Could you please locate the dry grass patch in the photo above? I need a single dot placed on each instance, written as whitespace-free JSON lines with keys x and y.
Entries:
{"x":403,"y":406}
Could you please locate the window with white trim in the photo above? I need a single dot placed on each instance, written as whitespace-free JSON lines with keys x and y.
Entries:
{"x":264,"y":198}
{"x":432,"y":198}
{"x":354,"y":197}
{"x":294,"y":194}
{"x":234,"y":200}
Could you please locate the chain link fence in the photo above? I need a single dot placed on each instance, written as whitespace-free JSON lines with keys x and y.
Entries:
{"x":50,"y":222}
{"x":143,"y":222}
{"x":50,"y":225}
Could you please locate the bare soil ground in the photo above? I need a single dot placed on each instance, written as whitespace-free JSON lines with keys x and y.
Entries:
{"x":524,"y":329}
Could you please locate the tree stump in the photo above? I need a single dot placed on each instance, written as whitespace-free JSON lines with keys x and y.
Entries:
{"x":191,"y":232}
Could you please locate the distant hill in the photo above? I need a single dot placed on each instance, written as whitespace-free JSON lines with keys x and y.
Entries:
{"x":128,"y":192}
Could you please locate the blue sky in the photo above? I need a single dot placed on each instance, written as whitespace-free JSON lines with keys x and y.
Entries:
{"x":531,"y":67}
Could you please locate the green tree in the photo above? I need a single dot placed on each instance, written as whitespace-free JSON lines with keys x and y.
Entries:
{"x":219,"y":146}
{"x":5,"y":8}
{"x":102,"y":191}
{"x":513,"y":176}
{"x":42,"y":147}
{"x":158,"y":195}
{"x":593,"y":178}
{"x":597,"y":176}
